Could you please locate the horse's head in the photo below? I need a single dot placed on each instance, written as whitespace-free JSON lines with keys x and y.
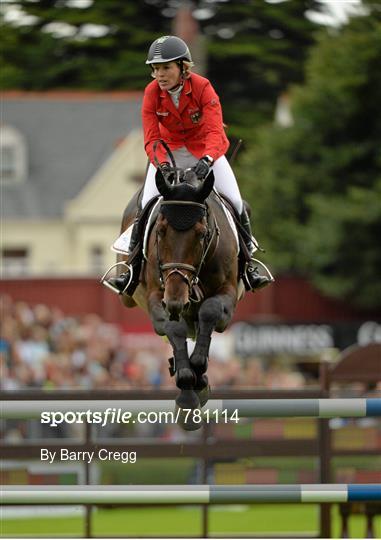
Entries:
{"x":181,"y":234}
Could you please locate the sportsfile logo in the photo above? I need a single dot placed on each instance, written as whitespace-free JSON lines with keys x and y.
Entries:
{"x":113,"y":415}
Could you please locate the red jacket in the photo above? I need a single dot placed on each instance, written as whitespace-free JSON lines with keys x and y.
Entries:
{"x":197,"y":123}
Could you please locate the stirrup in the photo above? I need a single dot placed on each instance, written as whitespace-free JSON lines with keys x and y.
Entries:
{"x":251,"y":269}
{"x":271,"y":277}
{"x":105,"y":277}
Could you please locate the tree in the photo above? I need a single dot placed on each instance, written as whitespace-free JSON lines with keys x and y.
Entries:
{"x":79,"y":44}
{"x":256,"y":50}
{"x":316,"y":186}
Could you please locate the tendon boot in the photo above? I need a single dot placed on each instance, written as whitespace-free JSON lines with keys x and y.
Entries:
{"x":251,"y":276}
{"x":127,"y":282}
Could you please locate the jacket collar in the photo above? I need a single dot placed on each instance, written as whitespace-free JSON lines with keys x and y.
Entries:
{"x":184,"y":98}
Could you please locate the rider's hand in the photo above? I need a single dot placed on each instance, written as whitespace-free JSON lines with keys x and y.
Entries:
{"x":202,"y":167}
{"x":166,"y":170}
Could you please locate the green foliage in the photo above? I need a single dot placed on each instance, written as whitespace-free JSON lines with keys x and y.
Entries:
{"x":316,"y":187}
{"x":36,"y":58}
{"x":256,"y":49}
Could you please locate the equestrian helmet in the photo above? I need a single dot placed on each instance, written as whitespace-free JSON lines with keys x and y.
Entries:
{"x":167,"y":49}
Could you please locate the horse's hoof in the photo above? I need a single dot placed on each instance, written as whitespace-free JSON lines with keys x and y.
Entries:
{"x":185,"y":378}
{"x":204,"y":395}
{"x":188,"y":399}
{"x":190,"y":426}
{"x":202,"y":382}
{"x":187,"y":421}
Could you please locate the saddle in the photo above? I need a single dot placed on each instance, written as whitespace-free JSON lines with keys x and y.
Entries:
{"x":148,"y":217}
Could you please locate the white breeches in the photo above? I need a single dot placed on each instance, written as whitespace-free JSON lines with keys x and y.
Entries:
{"x":225,"y":182}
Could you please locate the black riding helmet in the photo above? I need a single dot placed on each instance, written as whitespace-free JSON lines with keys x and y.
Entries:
{"x":167,"y":49}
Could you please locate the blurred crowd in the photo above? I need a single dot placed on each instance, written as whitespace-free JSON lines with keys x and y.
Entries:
{"x":41,"y":347}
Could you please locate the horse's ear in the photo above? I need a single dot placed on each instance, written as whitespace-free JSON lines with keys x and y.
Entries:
{"x":206,"y":187}
{"x":162,"y":185}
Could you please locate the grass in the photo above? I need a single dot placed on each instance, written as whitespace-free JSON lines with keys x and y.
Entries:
{"x":180,"y":521}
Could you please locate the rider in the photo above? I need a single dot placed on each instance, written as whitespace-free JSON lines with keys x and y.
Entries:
{"x":183,"y":109}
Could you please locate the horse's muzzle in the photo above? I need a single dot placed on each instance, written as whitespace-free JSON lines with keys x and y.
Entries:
{"x":175,"y":308}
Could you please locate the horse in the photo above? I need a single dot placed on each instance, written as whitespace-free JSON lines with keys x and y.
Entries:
{"x":189,"y":282}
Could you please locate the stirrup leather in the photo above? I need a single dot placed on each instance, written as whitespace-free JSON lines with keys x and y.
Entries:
{"x":104,"y":279}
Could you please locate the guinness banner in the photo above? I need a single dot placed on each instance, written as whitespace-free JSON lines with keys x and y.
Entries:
{"x":303,"y":338}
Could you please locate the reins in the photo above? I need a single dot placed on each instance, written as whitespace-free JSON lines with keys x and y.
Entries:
{"x":174,"y":168}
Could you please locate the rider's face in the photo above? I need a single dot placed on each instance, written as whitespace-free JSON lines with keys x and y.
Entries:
{"x":167,"y":75}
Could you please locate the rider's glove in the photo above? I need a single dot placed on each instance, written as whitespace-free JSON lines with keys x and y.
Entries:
{"x":166,"y":170}
{"x":202,"y":167}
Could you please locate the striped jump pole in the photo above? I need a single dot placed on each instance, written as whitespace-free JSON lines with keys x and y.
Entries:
{"x":191,"y":494}
{"x":246,"y":408}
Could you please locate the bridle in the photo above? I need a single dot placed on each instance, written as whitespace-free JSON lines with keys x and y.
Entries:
{"x":192,"y":279}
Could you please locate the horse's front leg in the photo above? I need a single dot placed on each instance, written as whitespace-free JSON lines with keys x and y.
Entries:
{"x":176,"y":332}
{"x":157,"y":312}
{"x":215,"y":314}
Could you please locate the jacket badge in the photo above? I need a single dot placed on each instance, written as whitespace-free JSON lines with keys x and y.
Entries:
{"x":195,"y":117}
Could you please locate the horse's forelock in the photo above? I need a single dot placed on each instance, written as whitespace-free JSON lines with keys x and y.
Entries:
{"x":190,"y":177}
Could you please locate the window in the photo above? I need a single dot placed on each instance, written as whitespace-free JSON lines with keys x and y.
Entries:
{"x":96,"y":260}
{"x":8,"y":162}
{"x":15,"y":262}
{"x":13,"y":155}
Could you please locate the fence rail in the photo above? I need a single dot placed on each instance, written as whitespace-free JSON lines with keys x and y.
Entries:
{"x":246,"y":408}
{"x":191,"y":494}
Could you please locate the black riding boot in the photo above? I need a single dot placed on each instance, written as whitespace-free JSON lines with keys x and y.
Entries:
{"x":252,"y":279}
{"x":125,"y":283}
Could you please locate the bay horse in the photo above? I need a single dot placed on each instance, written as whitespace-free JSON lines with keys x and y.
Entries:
{"x":189,"y":281}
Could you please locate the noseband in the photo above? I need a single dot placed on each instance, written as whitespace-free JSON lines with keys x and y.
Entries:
{"x":195,"y":294}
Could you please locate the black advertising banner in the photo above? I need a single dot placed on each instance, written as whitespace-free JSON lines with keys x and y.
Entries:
{"x":302,"y":338}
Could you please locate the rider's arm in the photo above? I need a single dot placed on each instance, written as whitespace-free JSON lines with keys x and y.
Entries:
{"x":216,"y":142}
{"x":151,"y":125}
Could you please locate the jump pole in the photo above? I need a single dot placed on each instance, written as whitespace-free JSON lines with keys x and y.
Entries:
{"x":246,"y":408}
{"x":191,"y":494}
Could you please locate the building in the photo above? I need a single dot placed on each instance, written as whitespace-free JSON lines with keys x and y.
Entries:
{"x":70,"y":162}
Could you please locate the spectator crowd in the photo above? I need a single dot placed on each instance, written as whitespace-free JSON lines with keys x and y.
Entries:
{"x":41,"y":347}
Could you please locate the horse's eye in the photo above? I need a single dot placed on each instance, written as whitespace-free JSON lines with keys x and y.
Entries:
{"x":161,"y":231}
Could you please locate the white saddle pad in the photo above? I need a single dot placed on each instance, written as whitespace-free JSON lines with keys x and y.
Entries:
{"x":122,"y":243}
{"x":232,"y":225}
{"x":234,"y":228}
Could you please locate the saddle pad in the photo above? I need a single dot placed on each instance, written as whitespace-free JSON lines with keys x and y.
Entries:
{"x":232,"y":225}
{"x":122,"y":243}
{"x":150,"y":221}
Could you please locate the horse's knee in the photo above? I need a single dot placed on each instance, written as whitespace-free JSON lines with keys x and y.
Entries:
{"x":211,"y":311}
{"x":176,"y":329}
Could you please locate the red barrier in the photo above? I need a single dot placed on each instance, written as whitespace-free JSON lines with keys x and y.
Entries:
{"x":289,"y":299}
